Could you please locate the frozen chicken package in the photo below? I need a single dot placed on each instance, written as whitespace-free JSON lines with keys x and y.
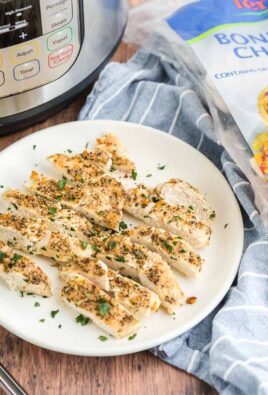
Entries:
{"x":224,"y":45}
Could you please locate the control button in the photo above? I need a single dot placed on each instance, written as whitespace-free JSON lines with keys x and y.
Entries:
{"x":2,"y":78}
{"x":59,"y":39}
{"x":24,"y":53}
{"x":26,"y":70}
{"x":60,"y":56}
{"x":55,"y":14}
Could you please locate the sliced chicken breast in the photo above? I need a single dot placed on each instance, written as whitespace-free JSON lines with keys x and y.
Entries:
{"x":180,"y":193}
{"x":32,"y":235}
{"x":83,"y":296}
{"x":143,"y":203}
{"x":83,"y":172}
{"x":22,"y":273}
{"x":138,"y":300}
{"x":111,"y":144}
{"x":172,"y":248}
{"x":85,"y":200}
{"x":91,"y":268}
{"x":140,"y":264}
{"x":59,"y":219}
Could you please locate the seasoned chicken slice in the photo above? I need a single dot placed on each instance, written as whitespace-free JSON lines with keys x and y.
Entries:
{"x":85,"y":200}
{"x":83,"y":296}
{"x":92,"y":268}
{"x":143,"y":203}
{"x":83,"y":172}
{"x":59,"y":219}
{"x":111,"y":144}
{"x":180,"y":193}
{"x":22,"y":273}
{"x":32,"y":235}
{"x":173,"y":249}
{"x":138,"y":300}
{"x":143,"y":265}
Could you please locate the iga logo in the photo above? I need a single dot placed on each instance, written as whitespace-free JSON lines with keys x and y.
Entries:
{"x":253,"y":5}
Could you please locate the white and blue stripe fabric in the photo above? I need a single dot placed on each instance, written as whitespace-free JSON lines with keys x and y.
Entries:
{"x":228,"y":349}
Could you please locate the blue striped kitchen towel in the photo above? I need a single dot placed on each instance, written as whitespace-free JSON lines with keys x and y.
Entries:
{"x":228,"y":349}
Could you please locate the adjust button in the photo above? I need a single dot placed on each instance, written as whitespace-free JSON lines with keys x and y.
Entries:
{"x":26,"y":70}
{"x":24,"y":53}
{"x":59,"y":39}
{"x":2,"y":78}
{"x":60,"y":56}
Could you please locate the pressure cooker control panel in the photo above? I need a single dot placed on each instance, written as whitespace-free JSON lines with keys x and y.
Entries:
{"x":39,"y":42}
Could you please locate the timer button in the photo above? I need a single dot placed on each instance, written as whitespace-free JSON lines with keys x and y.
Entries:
{"x":2,"y":78}
{"x":59,"y":39}
{"x":24,"y":53}
{"x":26,"y":70}
{"x":60,"y":56}
{"x":55,"y":14}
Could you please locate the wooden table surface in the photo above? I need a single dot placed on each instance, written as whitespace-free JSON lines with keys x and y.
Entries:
{"x":43,"y":372}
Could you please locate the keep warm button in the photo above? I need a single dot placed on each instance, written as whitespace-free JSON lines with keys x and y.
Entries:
{"x":26,"y":70}
{"x":60,"y":56}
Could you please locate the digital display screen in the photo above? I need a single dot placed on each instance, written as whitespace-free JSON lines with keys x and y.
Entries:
{"x":20,"y":21}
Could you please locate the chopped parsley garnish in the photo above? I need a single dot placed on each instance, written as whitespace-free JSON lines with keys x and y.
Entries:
{"x":14,"y":205}
{"x":122,"y":225}
{"x":161,"y":167}
{"x":2,"y":186}
{"x":225,"y":226}
{"x":134,"y":175}
{"x":190,"y":207}
{"x":34,"y":146}
{"x":103,"y":307}
{"x":2,"y":256}
{"x":61,"y":183}
{"x":84,"y":244}
{"x":22,"y":294}
{"x":58,"y":198}
{"x":112,"y":169}
{"x":16,"y":257}
{"x":149,"y":175}
{"x":120,"y":259}
{"x":52,"y":210}
{"x":42,"y":320}
{"x":103,"y":338}
{"x":43,"y":248}
{"x":100,"y":213}
{"x":69,"y":151}
{"x":155,"y":199}
{"x":36,"y":304}
{"x":53,"y":313}
{"x":82,"y":320}
{"x":182,"y":251}
{"x":60,"y":326}
{"x":86,"y":146}
{"x":212,"y":215}
{"x":167,"y":246}
{"x":112,"y":245}
{"x":132,"y":336}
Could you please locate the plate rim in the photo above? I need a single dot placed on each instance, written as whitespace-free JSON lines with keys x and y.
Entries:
{"x":146,"y":344}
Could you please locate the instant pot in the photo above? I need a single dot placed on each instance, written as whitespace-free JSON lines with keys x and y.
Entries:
{"x":49,"y":51}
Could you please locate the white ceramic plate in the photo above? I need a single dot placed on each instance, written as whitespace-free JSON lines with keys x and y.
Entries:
{"x":148,"y":148}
